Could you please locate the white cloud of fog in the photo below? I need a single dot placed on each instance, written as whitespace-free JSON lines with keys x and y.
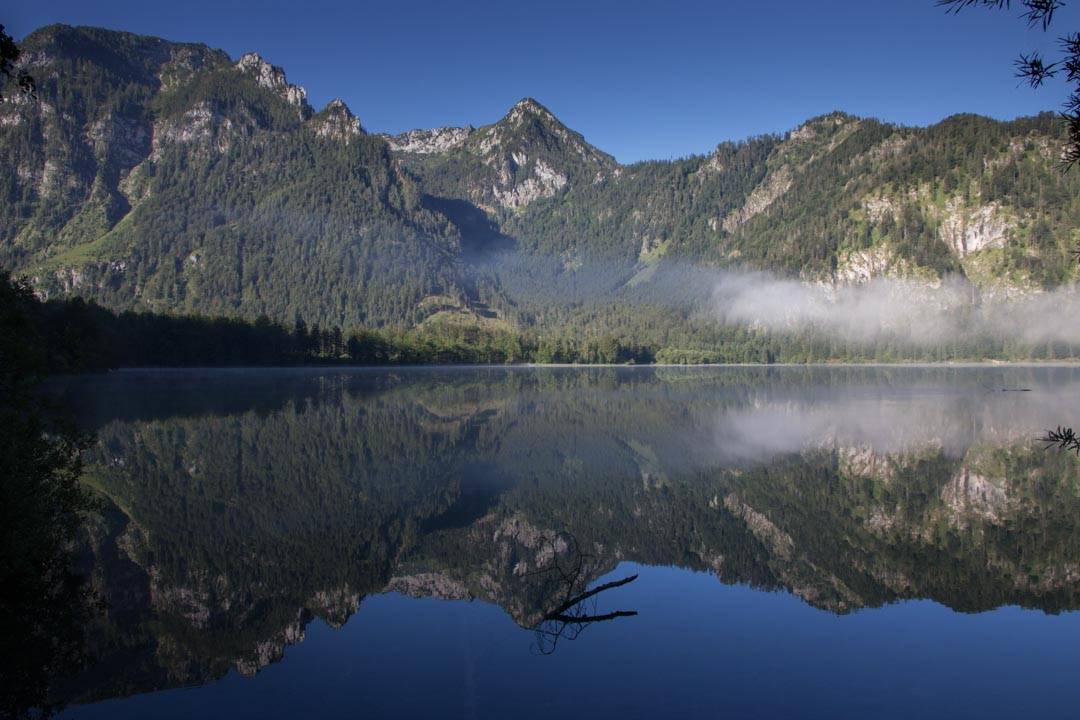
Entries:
{"x":911,"y":311}
{"x":908,"y":310}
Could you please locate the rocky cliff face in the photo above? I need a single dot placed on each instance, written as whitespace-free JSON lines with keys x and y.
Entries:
{"x":429,"y":142}
{"x":272,"y":78}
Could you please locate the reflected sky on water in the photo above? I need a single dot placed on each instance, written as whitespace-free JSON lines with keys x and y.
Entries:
{"x":806,"y":541}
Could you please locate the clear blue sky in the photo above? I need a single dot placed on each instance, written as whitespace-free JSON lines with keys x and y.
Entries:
{"x":639,"y":80}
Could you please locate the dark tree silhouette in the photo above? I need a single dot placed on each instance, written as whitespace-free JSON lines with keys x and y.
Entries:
{"x":45,"y":602}
{"x":1034,"y":69}
{"x":9,"y":54}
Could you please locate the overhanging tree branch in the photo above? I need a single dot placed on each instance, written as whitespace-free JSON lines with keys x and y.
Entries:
{"x":1035,"y":70}
{"x":9,"y":54}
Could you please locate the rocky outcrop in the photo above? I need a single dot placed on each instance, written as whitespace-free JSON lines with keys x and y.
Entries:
{"x":778,"y":541}
{"x":544,"y":182}
{"x":273,"y":649}
{"x":967,"y":230}
{"x":970,"y":496}
{"x":196,"y":603}
{"x":759,"y":200}
{"x":878,"y":207}
{"x":712,"y":165}
{"x":864,"y":462}
{"x":434,"y":585}
{"x":335,"y":606}
{"x":202,"y":126}
{"x":861,"y":266}
{"x":186,"y":60}
{"x":119,"y":141}
{"x":429,"y":142}
{"x":14,"y":109}
{"x":272,"y":78}
{"x":337,"y":121}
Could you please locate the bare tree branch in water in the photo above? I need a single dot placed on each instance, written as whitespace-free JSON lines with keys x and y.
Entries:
{"x":577,"y":608}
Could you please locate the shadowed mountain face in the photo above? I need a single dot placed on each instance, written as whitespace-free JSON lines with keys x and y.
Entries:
{"x":157,"y":175}
{"x":250,"y":503}
{"x":169,"y":176}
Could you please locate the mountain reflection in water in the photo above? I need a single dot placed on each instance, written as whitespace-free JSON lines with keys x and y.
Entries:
{"x":241,"y":505}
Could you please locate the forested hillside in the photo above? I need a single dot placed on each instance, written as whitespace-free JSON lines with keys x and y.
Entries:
{"x":166,"y":177}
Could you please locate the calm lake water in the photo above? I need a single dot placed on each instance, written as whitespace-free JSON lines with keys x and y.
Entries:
{"x":824,"y":542}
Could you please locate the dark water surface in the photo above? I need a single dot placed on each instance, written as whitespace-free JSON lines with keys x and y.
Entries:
{"x":515,"y":543}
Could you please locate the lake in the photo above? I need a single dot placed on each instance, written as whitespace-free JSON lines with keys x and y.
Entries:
{"x":833,"y":542}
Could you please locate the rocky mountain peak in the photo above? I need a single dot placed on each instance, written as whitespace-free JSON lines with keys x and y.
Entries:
{"x":529,"y":126}
{"x":337,"y":120}
{"x":529,"y":106}
{"x":272,"y":78}
{"x":525,"y":156}
{"x":529,"y":116}
{"x":267,"y":75}
{"x":823,"y":126}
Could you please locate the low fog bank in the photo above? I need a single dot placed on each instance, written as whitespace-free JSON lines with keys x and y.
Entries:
{"x":917,"y":312}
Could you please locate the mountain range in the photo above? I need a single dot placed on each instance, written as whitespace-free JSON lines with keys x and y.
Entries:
{"x":163,"y":176}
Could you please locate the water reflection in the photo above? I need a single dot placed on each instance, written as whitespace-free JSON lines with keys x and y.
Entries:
{"x":242,"y":505}
{"x":573,"y":604}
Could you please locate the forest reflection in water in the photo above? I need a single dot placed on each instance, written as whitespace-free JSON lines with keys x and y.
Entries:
{"x":241,"y":505}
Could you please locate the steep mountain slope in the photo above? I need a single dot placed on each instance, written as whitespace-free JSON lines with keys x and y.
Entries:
{"x":846,"y":199}
{"x":166,"y":176}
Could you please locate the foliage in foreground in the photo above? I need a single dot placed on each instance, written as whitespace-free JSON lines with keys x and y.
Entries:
{"x":45,"y":601}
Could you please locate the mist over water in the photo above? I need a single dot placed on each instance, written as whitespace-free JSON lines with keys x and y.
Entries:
{"x":919,"y":312}
{"x":897,"y":418}
{"x":916,"y":312}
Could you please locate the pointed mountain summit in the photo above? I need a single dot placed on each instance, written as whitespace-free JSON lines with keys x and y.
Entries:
{"x":526,"y":156}
{"x":528,"y":123}
{"x":336,"y":120}
{"x":530,"y":110}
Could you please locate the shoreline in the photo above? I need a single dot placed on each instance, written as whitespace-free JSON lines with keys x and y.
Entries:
{"x":583,"y":366}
